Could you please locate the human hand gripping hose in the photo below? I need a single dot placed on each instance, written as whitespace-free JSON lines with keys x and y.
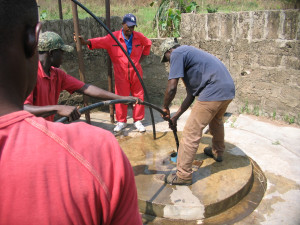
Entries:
{"x":170,"y":121}
{"x":98,"y":104}
{"x":125,"y":52}
{"x":124,"y":101}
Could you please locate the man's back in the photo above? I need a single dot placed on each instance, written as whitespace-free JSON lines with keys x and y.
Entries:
{"x":204,"y":74}
{"x":53,"y":173}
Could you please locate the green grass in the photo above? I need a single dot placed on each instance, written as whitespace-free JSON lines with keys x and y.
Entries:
{"x":276,"y":143}
{"x":245,"y":108}
{"x":145,"y":13}
{"x":289,"y":119}
{"x":245,"y":5}
{"x":232,"y":125}
{"x":274,"y":115}
{"x":145,"y":24}
{"x":255,"y":110}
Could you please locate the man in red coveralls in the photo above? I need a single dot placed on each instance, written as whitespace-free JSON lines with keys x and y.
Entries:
{"x":51,"y":81}
{"x":53,"y":173}
{"x":126,"y":79}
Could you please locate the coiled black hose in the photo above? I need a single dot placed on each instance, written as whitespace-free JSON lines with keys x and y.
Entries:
{"x":123,"y":101}
{"x":125,"y":52}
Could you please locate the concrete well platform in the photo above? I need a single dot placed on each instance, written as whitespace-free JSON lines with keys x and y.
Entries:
{"x":272,"y":148}
{"x":216,"y":186}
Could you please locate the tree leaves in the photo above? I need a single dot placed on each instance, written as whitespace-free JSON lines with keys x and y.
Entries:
{"x":168,"y":16}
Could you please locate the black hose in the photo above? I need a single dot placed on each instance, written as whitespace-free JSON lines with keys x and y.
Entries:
{"x":125,"y":52}
{"x":170,"y":121}
{"x":98,"y":104}
{"x":124,"y":101}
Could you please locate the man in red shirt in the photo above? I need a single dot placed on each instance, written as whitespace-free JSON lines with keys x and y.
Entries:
{"x":52,"y":173}
{"x":51,"y":81}
{"x":126,"y":79}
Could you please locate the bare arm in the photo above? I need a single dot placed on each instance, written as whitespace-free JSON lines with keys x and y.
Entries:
{"x":169,"y":96}
{"x":62,"y":110}
{"x":83,"y":41}
{"x":96,"y":92}
{"x":184,"y":106}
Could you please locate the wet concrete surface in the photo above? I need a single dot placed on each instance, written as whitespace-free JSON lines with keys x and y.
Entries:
{"x":279,"y":161}
{"x":216,"y":186}
{"x":274,"y":147}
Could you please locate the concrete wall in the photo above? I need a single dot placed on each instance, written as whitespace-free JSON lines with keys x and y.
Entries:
{"x":261,"y":50}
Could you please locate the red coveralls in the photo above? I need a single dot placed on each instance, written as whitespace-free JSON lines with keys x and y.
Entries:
{"x":126,"y":79}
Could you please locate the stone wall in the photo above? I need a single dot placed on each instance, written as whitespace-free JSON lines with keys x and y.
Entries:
{"x":261,"y":50}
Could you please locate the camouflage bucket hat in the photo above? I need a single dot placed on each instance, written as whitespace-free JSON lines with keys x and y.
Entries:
{"x":167,"y":45}
{"x":50,"y":41}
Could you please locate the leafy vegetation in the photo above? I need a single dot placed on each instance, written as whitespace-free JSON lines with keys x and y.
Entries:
{"x":211,"y":9}
{"x":168,"y":16}
{"x":274,"y":115}
{"x":160,"y":18}
{"x":245,"y":108}
{"x":255,"y":110}
{"x":289,"y":119}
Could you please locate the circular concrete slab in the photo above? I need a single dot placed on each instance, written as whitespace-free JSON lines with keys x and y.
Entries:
{"x":216,"y":186}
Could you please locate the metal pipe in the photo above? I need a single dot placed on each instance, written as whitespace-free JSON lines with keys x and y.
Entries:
{"x":80,"y":57}
{"x":60,"y":10}
{"x":128,"y":57}
{"x":109,"y":66}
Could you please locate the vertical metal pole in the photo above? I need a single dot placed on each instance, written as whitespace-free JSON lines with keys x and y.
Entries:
{"x":80,"y":57}
{"x":60,"y":10}
{"x":37,"y":2}
{"x":109,"y":68}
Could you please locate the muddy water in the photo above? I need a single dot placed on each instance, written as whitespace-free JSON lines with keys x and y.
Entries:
{"x":149,"y":156}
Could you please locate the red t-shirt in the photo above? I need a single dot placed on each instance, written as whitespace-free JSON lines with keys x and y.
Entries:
{"x":52,"y":173}
{"x":48,"y":88}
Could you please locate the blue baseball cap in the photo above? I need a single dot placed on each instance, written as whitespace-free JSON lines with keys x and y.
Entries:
{"x":130,"y":20}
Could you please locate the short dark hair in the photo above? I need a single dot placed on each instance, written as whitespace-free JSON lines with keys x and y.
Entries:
{"x":13,"y":15}
{"x":176,"y":46}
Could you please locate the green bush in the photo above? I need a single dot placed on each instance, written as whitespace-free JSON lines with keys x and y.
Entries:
{"x":168,"y":16}
{"x":211,"y":9}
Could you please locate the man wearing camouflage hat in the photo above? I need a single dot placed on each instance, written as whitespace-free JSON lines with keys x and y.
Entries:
{"x":51,"y":81}
{"x":207,"y":79}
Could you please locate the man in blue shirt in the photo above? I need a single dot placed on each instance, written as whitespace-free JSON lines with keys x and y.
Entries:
{"x":207,"y":79}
